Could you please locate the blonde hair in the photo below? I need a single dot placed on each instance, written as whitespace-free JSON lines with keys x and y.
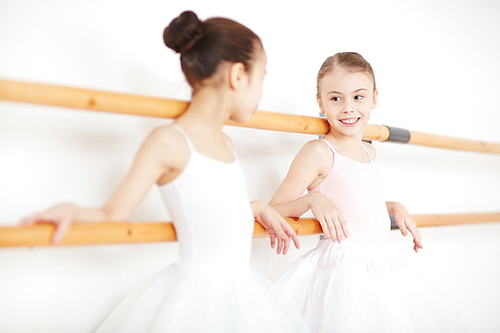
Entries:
{"x":350,"y":61}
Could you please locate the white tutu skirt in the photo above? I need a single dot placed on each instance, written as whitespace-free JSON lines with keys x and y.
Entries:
{"x":356,"y":287}
{"x":181,"y":298}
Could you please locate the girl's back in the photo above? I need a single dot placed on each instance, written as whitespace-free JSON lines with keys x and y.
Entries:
{"x":211,"y":288}
{"x":210,"y":208}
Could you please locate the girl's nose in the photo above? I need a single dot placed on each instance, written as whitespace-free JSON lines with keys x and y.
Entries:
{"x":347,"y":108}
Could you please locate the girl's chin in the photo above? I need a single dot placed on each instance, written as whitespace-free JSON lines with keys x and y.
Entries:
{"x":348,"y":130}
{"x":241,"y":119}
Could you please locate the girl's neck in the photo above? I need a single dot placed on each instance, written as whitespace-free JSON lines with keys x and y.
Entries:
{"x":207,"y":113}
{"x":346,"y":145}
{"x":203,"y":120}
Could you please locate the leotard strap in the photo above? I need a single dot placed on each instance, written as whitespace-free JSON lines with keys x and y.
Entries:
{"x":185,"y":136}
{"x":366,"y":150}
{"x":329,"y":145}
{"x":191,"y":147}
{"x":335,"y":152}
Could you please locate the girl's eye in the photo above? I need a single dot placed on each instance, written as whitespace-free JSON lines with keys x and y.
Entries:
{"x":358,"y":97}
{"x":335,"y":99}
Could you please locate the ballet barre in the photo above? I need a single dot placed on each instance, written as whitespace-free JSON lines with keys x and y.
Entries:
{"x":141,"y":232}
{"x":96,"y":100}
{"x":148,"y":232}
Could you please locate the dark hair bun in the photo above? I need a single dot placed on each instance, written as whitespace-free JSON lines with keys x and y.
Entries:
{"x":183,"y":32}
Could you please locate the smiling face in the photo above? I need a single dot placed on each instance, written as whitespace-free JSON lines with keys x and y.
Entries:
{"x":346,"y":98}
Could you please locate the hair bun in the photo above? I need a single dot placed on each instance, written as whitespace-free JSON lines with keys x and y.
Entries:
{"x":183,"y":32}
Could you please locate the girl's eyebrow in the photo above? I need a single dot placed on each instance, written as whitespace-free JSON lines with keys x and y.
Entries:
{"x":338,"y":92}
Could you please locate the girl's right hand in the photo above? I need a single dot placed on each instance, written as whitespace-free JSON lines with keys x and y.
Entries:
{"x":276,"y":226}
{"x":329,"y":216}
{"x":61,"y":215}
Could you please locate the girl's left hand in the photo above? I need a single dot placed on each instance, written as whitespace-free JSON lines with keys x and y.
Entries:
{"x":276,"y":226}
{"x":405,"y":223}
{"x":62,"y":216}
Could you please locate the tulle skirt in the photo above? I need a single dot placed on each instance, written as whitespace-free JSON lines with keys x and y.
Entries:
{"x":185,"y":298}
{"x":356,"y":287}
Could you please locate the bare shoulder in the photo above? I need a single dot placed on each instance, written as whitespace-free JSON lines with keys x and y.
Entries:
{"x":308,"y":168}
{"x":371,"y":149}
{"x":168,"y":145}
{"x":165,"y":134}
{"x":317,"y":156}
{"x":316,"y":149}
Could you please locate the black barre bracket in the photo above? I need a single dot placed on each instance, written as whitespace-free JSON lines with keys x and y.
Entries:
{"x":393,"y":223}
{"x":400,"y":135}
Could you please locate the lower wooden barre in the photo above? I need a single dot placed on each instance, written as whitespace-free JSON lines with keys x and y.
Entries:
{"x":302,"y":227}
{"x":89,"y":234}
{"x":147,"y":232}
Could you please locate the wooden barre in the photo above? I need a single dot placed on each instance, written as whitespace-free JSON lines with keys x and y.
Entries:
{"x":145,"y":232}
{"x":168,"y":108}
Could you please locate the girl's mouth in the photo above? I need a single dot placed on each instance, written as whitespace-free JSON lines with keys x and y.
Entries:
{"x":350,"y":121}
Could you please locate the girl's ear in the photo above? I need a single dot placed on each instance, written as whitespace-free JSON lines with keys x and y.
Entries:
{"x":236,"y":73}
{"x":320,"y":104}
{"x":375,"y":98}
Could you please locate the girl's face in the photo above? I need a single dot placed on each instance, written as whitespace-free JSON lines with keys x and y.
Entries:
{"x":347,"y":98}
{"x":251,"y":92}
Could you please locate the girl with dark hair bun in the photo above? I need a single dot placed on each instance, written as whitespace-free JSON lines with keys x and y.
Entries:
{"x":204,"y":45}
{"x":211,"y":288}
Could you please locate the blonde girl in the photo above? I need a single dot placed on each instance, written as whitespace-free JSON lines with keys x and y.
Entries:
{"x":349,"y":283}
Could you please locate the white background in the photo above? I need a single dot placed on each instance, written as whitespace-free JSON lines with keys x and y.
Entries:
{"x":437,"y":69}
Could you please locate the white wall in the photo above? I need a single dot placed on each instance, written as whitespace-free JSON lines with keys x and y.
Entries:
{"x":437,"y":70}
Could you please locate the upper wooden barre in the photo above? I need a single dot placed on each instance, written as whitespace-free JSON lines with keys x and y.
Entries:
{"x":95,"y":100}
{"x":146,"y":232}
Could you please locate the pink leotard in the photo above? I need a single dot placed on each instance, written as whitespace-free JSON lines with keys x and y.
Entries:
{"x":356,"y":189}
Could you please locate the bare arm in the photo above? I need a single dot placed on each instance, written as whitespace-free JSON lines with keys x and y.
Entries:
{"x":150,"y":164}
{"x":405,"y":223}
{"x":308,"y":169}
{"x":401,"y":216}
